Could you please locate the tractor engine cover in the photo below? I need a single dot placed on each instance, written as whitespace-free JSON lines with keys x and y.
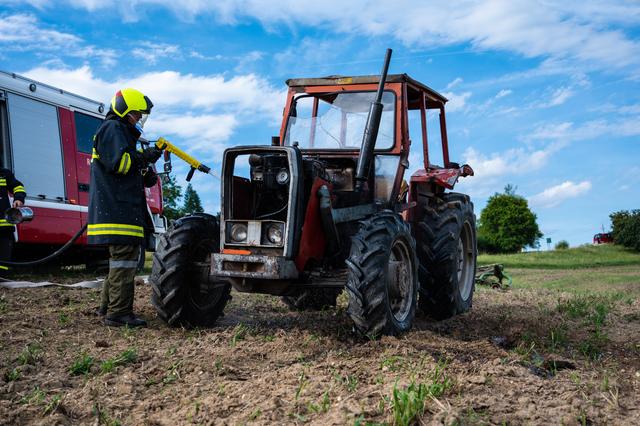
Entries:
{"x":261,"y":213}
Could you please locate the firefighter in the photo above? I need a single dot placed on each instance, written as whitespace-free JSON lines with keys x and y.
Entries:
{"x":8,"y":184}
{"x":119,"y":173}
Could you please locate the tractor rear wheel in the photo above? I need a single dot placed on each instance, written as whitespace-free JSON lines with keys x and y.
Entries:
{"x":447,"y":254}
{"x":383,"y":276}
{"x":313,"y":299}
{"x":183,"y":294}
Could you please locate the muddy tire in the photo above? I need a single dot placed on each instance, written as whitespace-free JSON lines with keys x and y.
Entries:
{"x":382,"y":282}
{"x":447,"y":253}
{"x":312,"y":300}
{"x":183,"y":295}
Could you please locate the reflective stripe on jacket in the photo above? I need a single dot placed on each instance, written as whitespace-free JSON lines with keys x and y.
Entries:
{"x":116,"y":193}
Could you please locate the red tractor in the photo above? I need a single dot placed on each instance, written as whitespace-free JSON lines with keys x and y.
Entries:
{"x":326,"y":208}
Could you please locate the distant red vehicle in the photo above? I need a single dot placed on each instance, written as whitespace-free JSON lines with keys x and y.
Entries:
{"x":603,"y":238}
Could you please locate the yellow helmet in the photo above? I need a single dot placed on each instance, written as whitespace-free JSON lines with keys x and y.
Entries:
{"x":127,"y":100}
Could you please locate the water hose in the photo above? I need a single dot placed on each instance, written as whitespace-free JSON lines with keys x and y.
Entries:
{"x":52,"y":256}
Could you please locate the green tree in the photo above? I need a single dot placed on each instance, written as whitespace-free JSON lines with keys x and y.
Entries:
{"x":625,"y":227}
{"x":171,"y":193}
{"x":507,"y":225}
{"x":192,"y":202}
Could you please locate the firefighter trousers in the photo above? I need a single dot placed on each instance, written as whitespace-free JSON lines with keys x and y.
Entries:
{"x":6,"y":247}
{"x":118,"y":287}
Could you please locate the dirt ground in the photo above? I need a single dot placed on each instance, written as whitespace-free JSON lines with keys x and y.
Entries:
{"x":519,"y":357}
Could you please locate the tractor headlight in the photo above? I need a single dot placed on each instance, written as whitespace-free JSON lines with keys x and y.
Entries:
{"x":282,"y":177}
{"x":238,"y":232}
{"x":274,"y":233}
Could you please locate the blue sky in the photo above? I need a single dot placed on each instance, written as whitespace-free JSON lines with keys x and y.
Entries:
{"x":543,"y":94}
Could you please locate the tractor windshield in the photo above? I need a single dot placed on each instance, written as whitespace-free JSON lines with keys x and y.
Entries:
{"x":337,"y":120}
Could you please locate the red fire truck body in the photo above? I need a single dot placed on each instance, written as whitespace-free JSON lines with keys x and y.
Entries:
{"x":46,"y":136}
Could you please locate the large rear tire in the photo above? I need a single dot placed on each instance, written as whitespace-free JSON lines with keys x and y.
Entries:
{"x":183,"y":294}
{"x":382,"y":281}
{"x":447,"y":254}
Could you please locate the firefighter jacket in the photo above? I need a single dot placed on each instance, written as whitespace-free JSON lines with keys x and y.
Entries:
{"x":9,"y":183}
{"x":116,"y":192}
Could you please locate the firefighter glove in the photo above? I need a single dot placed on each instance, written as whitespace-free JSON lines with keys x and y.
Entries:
{"x":150,"y":155}
{"x":149,"y":177}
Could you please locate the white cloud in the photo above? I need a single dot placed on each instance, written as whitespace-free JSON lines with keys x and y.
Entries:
{"x":248,"y":59}
{"x":170,"y":89}
{"x":543,"y":29}
{"x":198,"y":55}
{"x":203,"y":133}
{"x":618,"y":109}
{"x":512,"y":161}
{"x":490,"y":170}
{"x":456,"y":101}
{"x":558,"y":97}
{"x":23,"y":32}
{"x":204,"y":110}
{"x":555,"y":195}
{"x":454,"y":83}
{"x":152,"y":52}
{"x":568,"y":132}
{"x":80,"y":81}
{"x":503,"y":93}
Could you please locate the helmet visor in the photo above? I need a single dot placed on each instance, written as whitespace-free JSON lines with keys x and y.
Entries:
{"x":143,"y":120}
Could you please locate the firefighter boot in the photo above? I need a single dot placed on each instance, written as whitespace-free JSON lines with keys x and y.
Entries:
{"x":128,"y":320}
{"x":122,"y":271}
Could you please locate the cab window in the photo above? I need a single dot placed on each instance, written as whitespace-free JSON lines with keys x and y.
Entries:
{"x":86,"y":126}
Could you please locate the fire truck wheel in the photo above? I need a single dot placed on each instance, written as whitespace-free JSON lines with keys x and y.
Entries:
{"x":183,"y":294}
{"x":447,"y":254}
{"x":382,"y":282}
{"x":312,"y":300}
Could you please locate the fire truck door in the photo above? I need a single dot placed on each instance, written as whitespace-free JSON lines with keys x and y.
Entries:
{"x":85,"y":127}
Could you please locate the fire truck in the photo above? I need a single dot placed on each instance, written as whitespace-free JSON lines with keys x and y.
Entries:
{"x":46,"y":137}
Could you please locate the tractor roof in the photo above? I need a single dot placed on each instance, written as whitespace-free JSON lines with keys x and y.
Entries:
{"x":334,"y":80}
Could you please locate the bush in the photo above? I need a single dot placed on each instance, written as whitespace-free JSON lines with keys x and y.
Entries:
{"x":626,"y":228}
{"x":507,"y":224}
{"x":562,"y":245}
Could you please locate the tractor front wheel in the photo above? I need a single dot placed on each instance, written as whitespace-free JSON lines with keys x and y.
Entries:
{"x":383,"y":277}
{"x":183,"y":292}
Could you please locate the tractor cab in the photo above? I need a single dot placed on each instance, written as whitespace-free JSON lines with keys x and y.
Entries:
{"x":327,"y":117}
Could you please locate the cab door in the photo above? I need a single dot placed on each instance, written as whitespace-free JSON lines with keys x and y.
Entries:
{"x":85,"y":127}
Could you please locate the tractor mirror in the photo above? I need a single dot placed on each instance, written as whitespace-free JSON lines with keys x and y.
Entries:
{"x":275,"y":140}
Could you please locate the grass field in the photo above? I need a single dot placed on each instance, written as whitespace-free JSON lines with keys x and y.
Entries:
{"x":600,"y":269}
{"x":586,"y":256}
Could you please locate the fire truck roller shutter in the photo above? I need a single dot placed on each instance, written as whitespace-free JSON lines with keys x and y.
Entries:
{"x":36,"y":146}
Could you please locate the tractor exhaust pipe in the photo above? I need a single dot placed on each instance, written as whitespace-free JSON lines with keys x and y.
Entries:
{"x":371,"y":129}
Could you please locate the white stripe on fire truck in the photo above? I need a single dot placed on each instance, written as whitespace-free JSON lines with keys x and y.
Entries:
{"x":56,"y":206}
